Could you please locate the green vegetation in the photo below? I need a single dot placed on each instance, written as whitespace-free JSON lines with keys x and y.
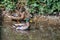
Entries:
{"x":43,"y":6}
{"x":35,"y":6}
{"x":8,"y":4}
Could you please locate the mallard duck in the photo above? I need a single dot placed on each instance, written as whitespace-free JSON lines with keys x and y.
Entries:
{"x":21,"y":26}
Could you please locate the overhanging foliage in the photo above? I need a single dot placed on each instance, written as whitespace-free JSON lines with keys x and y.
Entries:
{"x":9,"y":5}
{"x":43,"y":6}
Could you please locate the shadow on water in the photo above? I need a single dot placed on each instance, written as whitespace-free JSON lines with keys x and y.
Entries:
{"x":1,"y":19}
{"x":0,"y":33}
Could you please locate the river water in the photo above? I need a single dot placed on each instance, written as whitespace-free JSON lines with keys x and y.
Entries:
{"x":47,"y":33}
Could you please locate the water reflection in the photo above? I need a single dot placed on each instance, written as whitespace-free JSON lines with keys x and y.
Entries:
{"x":23,"y":31}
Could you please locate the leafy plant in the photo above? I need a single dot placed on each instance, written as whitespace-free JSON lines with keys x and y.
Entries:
{"x":43,"y":6}
{"x":8,"y":4}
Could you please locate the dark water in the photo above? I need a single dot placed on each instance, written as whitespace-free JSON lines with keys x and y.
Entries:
{"x":0,"y":29}
{"x":0,"y":22}
{"x":0,"y":32}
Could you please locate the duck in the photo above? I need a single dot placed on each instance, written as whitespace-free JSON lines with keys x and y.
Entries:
{"x":21,"y":26}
